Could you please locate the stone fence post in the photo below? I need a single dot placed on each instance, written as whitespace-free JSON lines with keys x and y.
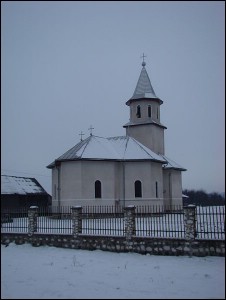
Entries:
{"x":190,"y":222}
{"x":76,"y":214}
{"x":130,"y":225}
{"x":32,"y":220}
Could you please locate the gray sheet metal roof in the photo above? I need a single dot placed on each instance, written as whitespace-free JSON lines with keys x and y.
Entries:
{"x":112,"y":148}
{"x":144,"y":88}
{"x":20,"y":185}
{"x":143,"y":123}
{"x":172,"y":164}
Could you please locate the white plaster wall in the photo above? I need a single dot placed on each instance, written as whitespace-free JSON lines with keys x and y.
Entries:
{"x":104,"y":171}
{"x":71,"y":185}
{"x":77,"y":180}
{"x":172,"y":187}
{"x":176,"y":187}
{"x":148,"y":173}
{"x":144,"y":110}
{"x":151,"y":136}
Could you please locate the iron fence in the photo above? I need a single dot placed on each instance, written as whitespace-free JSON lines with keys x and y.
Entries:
{"x":14,"y":220}
{"x":103,"y":220}
{"x":160,"y":221}
{"x":150,"y":221}
{"x":210,"y":222}
{"x":54,"y":220}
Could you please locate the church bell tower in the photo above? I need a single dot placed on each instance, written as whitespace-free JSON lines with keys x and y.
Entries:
{"x":144,"y":124}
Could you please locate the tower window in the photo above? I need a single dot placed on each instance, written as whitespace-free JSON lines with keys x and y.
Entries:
{"x":138,"y":112}
{"x":149,"y":111}
{"x":157,"y":113}
{"x":97,"y":189}
{"x":156,"y":189}
{"x":138,"y":188}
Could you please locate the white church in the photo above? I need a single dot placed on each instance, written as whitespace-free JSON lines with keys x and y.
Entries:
{"x":122,"y":170}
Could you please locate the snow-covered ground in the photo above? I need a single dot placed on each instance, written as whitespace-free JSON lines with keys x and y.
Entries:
{"x":56,"y":273}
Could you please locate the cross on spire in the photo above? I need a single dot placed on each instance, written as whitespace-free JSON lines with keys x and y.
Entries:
{"x":143,"y":63}
{"x":81,"y":134}
{"x":91,"y":129}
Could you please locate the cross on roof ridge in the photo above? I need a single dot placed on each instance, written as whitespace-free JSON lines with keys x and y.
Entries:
{"x":81,"y":134}
{"x":91,"y":129}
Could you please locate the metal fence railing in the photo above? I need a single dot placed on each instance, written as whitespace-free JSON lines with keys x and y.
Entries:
{"x":14,"y":220}
{"x":54,"y":220}
{"x":159,"y":221}
{"x":103,"y":220}
{"x":210,"y":222}
{"x":150,"y":221}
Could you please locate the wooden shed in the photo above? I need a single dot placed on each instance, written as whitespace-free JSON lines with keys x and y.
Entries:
{"x":22,"y":192}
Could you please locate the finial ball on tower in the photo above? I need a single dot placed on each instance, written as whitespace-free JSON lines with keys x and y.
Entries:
{"x":143,"y":64}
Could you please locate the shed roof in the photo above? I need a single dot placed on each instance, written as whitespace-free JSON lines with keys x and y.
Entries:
{"x":20,"y":185}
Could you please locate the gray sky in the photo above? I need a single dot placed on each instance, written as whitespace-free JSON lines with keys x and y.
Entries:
{"x":68,"y":65}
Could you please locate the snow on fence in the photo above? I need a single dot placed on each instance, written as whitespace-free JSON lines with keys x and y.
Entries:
{"x":149,"y":221}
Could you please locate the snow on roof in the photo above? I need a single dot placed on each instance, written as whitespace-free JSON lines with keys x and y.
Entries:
{"x":132,"y":149}
{"x":20,"y":185}
{"x":112,"y":148}
{"x":172,"y":164}
{"x":185,"y":196}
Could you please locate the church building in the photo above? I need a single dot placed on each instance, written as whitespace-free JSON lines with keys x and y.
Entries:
{"x":122,"y":170}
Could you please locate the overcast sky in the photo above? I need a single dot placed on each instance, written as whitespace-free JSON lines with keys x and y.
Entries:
{"x":68,"y":65}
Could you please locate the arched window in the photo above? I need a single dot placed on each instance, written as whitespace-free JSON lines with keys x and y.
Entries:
{"x":97,"y":189}
{"x":138,"y":111}
{"x":149,"y":111}
{"x":156,"y":189}
{"x":138,"y":188}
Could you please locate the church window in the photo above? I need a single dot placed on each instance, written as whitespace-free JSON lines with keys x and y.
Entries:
{"x":157,"y":112}
{"x":138,"y":111}
{"x":97,"y":189}
{"x":149,"y":111}
{"x":55,"y":191}
{"x":138,"y":188}
{"x":156,"y":189}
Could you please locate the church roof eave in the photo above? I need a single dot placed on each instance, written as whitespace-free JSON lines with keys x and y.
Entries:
{"x":51,"y":166}
{"x":174,"y":168}
{"x":172,"y":164}
{"x":143,"y":97}
{"x":144,"y":123}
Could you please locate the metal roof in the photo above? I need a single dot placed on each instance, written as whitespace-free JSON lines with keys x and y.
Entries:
{"x":172,"y":164}
{"x":144,"y":89}
{"x":112,"y":148}
{"x":20,"y":185}
{"x":128,"y":124}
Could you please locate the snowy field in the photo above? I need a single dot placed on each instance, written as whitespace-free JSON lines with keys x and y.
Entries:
{"x":55,"y":273}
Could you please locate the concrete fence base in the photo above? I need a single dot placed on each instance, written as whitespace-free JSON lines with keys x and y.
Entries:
{"x":143,"y":245}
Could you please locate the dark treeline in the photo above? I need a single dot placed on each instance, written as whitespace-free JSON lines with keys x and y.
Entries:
{"x":202,"y":198}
